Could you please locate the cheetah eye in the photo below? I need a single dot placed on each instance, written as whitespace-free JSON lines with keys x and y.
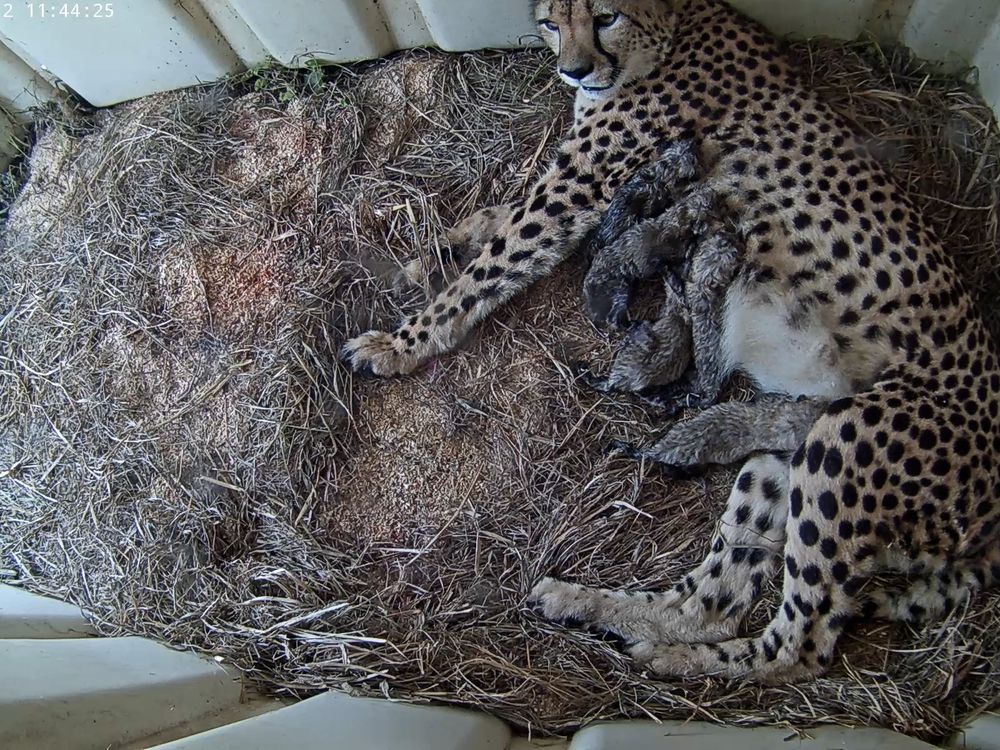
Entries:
{"x":605,"y":20}
{"x":546,"y":24}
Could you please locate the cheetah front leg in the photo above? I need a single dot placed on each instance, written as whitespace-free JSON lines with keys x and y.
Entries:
{"x":461,"y":243}
{"x":538,"y":234}
{"x":710,"y":602}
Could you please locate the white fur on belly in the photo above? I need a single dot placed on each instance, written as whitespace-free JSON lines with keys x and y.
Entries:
{"x":799,"y":361}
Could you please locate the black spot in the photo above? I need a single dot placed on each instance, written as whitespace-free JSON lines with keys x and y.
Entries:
{"x":531,"y":230}
{"x":847,"y":284}
{"x":791,"y":566}
{"x":811,"y":575}
{"x":828,"y":547}
{"x":801,"y":247}
{"x":827,"y":504}
{"x":833,"y":462}
{"x":872,"y":415}
{"x":864,"y":454}
{"x":895,"y":451}
{"x":853,"y":585}
{"x":849,"y":496}
{"x":756,"y":556}
{"x":770,"y":490}
{"x":814,"y":456}
{"x":808,"y":533}
{"x":795,"y":502}
{"x":498,"y":246}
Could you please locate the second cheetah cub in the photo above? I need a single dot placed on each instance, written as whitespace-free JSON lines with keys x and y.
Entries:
{"x":664,"y":221}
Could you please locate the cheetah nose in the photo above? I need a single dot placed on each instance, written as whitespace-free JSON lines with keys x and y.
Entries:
{"x":578,"y":74}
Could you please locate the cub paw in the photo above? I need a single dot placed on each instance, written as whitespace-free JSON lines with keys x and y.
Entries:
{"x":590,"y":379}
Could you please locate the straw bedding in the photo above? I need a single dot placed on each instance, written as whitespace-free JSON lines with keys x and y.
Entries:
{"x":182,"y":454}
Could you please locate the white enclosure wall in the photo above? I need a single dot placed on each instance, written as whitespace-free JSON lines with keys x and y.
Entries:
{"x":113,"y":51}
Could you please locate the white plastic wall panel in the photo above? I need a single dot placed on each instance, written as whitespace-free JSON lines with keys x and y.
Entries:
{"x":142,"y":48}
{"x":843,"y":19}
{"x":24,"y":615}
{"x":9,"y":132}
{"x":987,"y":60}
{"x":82,"y":693}
{"x":952,"y":31}
{"x":334,"y":721}
{"x":156,"y":45}
{"x":20,"y":87}
{"x":406,"y":23}
{"x":475,"y":24}
{"x":236,"y":32}
{"x":294,"y":31}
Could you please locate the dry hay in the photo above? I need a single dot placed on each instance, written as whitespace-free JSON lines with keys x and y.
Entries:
{"x":182,"y":454}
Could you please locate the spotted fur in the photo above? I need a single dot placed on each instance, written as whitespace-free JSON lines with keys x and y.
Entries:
{"x":845,"y":296}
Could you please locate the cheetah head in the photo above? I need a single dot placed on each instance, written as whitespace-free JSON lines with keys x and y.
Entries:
{"x":602,"y":44}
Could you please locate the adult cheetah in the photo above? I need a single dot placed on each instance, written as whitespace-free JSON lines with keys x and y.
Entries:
{"x":845,"y":296}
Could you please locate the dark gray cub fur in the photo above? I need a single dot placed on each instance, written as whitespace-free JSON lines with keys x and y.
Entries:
{"x":663,"y":221}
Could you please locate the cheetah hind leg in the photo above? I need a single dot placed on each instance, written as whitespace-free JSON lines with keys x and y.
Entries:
{"x":932,"y":594}
{"x":711,"y":601}
{"x":818,"y":599}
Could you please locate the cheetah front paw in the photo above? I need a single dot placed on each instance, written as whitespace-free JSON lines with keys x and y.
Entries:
{"x":558,"y":601}
{"x":666,"y":660}
{"x":378,"y":354}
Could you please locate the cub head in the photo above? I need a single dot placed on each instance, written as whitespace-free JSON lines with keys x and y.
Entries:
{"x":602,"y":44}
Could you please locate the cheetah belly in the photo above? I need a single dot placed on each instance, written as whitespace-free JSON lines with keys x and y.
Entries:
{"x":759,"y":338}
